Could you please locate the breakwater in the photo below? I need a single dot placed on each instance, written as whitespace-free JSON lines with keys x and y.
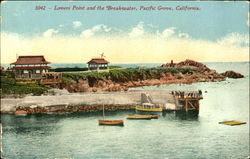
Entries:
{"x":68,"y":109}
{"x":83,"y":102}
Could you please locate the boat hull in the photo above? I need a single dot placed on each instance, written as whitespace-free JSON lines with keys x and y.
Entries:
{"x":155,"y":116}
{"x":139,"y":117}
{"x":111,"y":122}
{"x":21,"y":113}
{"x":138,"y":108}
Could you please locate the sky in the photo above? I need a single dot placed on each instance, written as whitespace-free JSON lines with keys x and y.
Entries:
{"x":217,"y":31}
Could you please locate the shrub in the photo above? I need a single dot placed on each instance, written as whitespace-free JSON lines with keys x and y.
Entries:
{"x":69,"y":69}
{"x":9,"y":86}
{"x":124,"y":75}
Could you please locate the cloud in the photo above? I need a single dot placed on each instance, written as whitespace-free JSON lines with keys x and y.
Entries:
{"x":236,"y":39}
{"x":101,"y":28}
{"x":50,"y":32}
{"x":137,"y":31}
{"x":183,"y":35}
{"x":87,"y":33}
{"x":168,"y":32}
{"x":120,"y":48}
{"x":171,"y":33}
{"x":76,"y":24}
{"x":155,"y":46}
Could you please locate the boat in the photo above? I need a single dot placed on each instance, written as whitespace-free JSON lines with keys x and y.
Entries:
{"x":139,"y":117}
{"x":232,"y":122}
{"x":155,"y":116}
{"x":20,"y":113}
{"x":110,"y":122}
{"x":149,"y":107}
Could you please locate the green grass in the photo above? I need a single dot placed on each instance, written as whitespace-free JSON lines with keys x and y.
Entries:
{"x":9,"y":86}
{"x":124,"y":75}
{"x":114,"y":67}
{"x":77,"y":69}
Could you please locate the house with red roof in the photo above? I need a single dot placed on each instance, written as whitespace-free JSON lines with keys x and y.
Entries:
{"x":97,"y":64}
{"x":30,"y":67}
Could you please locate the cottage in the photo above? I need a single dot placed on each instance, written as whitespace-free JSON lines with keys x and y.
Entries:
{"x":30,"y":67}
{"x":97,"y":64}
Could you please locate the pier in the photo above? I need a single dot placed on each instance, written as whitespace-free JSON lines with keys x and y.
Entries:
{"x":187,"y":100}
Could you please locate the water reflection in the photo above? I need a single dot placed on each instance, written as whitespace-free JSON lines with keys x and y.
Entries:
{"x":46,"y":124}
{"x":181,"y":115}
{"x":30,"y":124}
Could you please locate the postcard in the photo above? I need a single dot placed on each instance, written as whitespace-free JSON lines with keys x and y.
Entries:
{"x":124,"y":79}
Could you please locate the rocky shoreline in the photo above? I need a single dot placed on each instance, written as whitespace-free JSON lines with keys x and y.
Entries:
{"x":89,"y":94}
{"x":166,"y":78}
{"x":199,"y":73}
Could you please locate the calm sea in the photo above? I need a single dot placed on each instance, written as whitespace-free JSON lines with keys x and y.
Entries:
{"x":78,"y":136}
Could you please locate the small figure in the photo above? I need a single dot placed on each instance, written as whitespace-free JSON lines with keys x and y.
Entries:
{"x":200,"y":93}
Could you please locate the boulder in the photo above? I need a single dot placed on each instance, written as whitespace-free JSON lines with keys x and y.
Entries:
{"x":232,"y":74}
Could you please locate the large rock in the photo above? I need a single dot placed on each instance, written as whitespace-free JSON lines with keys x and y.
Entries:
{"x":232,"y":74}
{"x":197,"y":66}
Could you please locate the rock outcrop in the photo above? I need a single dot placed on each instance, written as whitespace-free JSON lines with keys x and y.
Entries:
{"x":194,"y":65}
{"x":232,"y":74}
{"x":199,"y":73}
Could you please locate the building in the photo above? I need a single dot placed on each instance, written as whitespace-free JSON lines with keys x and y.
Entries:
{"x":97,"y":64}
{"x":30,"y":67}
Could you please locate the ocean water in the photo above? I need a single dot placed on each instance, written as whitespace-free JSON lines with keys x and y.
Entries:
{"x":78,"y":136}
{"x":82,"y":65}
{"x":219,"y":66}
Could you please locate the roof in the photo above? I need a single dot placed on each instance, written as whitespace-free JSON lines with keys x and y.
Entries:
{"x":29,"y":67}
{"x":31,"y":59}
{"x":98,"y":60}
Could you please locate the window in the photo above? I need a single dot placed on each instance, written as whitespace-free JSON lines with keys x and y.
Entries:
{"x":38,"y":71}
{"x":25,"y":71}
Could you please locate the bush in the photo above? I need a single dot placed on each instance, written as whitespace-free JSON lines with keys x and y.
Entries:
{"x":124,"y":75}
{"x":69,"y":69}
{"x":9,"y":86}
{"x":113,"y":67}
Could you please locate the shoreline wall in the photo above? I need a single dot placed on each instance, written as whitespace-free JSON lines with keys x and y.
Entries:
{"x":83,"y":101}
{"x":70,"y":109}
